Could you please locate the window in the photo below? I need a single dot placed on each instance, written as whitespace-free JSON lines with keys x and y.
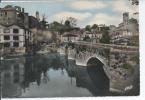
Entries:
{"x":15,"y":30}
{"x":16,"y":44}
{"x":6,"y":30}
{"x":15,"y":37}
{"x":7,"y":44}
{"x":6,"y":37}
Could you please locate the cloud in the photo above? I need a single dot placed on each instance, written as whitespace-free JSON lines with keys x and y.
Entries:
{"x":84,"y":19}
{"x":121,"y":6}
{"x":103,"y":18}
{"x":78,"y":16}
{"x":87,"y":5}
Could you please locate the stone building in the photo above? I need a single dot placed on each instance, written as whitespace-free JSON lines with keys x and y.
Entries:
{"x":126,"y":29}
{"x":12,"y":15}
{"x":15,"y":35}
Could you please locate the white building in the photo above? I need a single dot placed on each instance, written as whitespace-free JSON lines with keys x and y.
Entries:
{"x":89,"y":34}
{"x":12,"y":37}
{"x":70,"y":37}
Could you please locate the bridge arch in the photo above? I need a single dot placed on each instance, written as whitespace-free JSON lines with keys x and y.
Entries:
{"x":98,"y":75}
{"x":102,"y":60}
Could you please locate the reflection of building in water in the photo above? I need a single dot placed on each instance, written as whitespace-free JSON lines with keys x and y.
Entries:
{"x":32,"y":71}
{"x":70,"y":68}
{"x":36,"y":69}
{"x":12,"y":77}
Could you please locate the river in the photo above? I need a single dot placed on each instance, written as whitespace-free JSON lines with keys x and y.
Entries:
{"x":51,"y":75}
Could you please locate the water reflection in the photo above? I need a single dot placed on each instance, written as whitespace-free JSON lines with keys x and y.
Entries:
{"x":47,"y":76}
{"x":98,"y":76}
{"x":12,"y":76}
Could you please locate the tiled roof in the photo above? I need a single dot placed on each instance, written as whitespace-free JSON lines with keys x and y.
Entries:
{"x":12,"y":25}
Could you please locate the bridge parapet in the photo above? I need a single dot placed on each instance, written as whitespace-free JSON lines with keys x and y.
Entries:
{"x":109,"y":46}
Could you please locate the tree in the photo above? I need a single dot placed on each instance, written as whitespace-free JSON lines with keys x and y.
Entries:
{"x":105,"y":37}
{"x":67,"y":23}
{"x":94,"y":26}
{"x":56,"y":26}
{"x":88,"y":28}
{"x":133,"y":41}
{"x":72,"y":21}
{"x":55,"y":23}
{"x":132,"y":20}
{"x":134,"y":2}
{"x":43,"y":22}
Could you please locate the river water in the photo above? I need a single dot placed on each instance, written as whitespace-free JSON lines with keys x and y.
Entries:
{"x":51,"y":75}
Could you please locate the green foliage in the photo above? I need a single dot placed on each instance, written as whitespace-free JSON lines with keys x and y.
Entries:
{"x":105,"y":37}
{"x":68,"y":25}
{"x":43,"y":24}
{"x":72,"y":21}
{"x":88,"y":28}
{"x":134,"y":2}
{"x":55,"y":23}
{"x":133,"y":41}
{"x":126,"y":66}
{"x":135,"y":59}
{"x":94,"y":26}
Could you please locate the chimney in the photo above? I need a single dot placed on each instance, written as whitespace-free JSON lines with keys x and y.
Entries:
{"x":26,"y":20}
{"x":23,"y":10}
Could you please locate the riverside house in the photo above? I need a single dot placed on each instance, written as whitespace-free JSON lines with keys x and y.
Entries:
{"x":12,"y":37}
{"x":15,"y":34}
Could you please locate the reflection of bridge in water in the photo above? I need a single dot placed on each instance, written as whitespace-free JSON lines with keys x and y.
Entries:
{"x":19,"y":76}
{"x":108,"y":58}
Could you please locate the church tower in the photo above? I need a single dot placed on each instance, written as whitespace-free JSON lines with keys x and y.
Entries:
{"x":125,"y":18}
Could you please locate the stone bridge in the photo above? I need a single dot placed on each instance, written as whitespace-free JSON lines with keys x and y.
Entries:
{"x":110,"y":58}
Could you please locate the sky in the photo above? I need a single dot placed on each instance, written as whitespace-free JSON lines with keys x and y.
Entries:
{"x":87,"y":12}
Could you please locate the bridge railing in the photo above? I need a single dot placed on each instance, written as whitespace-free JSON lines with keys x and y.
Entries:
{"x":114,"y":46}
